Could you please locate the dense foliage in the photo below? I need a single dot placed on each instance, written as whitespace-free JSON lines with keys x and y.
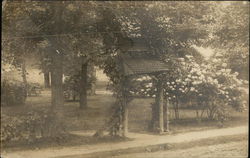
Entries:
{"x":12,"y":93}
{"x":30,"y":127}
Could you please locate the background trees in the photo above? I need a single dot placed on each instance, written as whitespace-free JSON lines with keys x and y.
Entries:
{"x":230,"y":34}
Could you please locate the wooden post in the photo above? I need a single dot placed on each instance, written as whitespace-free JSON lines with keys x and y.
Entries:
{"x":160,"y":105}
{"x":166,"y":115}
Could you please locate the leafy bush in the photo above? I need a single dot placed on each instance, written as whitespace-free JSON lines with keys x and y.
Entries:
{"x":12,"y":93}
{"x":34,"y":89}
{"x":35,"y":125}
{"x":209,"y":87}
{"x":71,"y":86}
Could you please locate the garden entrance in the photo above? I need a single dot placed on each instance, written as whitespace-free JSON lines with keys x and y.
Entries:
{"x":137,"y":63}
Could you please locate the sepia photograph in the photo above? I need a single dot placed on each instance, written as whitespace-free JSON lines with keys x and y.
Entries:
{"x":124,"y":79}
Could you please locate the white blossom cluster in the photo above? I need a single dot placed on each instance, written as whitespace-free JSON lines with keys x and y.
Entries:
{"x":212,"y":80}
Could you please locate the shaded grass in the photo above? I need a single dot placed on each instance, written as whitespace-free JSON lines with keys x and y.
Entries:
{"x":140,"y":116}
{"x":98,"y":112}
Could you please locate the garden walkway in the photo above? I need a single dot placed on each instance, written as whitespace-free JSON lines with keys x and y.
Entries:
{"x":138,"y":141}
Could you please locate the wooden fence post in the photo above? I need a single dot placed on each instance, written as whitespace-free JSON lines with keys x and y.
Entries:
{"x":160,"y":105}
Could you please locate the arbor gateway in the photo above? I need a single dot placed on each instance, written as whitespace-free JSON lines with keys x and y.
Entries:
{"x":134,"y":60}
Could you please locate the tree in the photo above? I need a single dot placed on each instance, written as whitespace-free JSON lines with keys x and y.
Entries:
{"x":230,"y":35}
{"x":16,"y":22}
{"x":168,"y":28}
{"x":71,"y":24}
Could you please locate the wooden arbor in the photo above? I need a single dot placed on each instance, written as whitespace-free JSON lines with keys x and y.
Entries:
{"x":134,"y":63}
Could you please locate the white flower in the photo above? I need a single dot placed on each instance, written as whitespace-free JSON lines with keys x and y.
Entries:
{"x":223,"y":70}
{"x":224,"y":64}
{"x":228,"y":70}
{"x":192,"y":89}
{"x":172,"y":82}
{"x":215,"y":81}
{"x":178,"y":80}
{"x":203,"y":71}
{"x":168,"y":83}
{"x":139,"y":79}
{"x":194,"y":83}
{"x":188,"y":56}
{"x":148,"y":85}
{"x":181,"y":59}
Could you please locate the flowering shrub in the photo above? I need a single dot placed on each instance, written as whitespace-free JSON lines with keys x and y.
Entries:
{"x":210,"y":86}
{"x":215,"y":86}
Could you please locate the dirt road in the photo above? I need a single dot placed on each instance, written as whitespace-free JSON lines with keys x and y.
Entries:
{"x":228,"y":150}
{"x":140,"y":140}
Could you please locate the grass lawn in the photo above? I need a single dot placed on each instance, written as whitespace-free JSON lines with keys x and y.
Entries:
{"x":98,"y":112}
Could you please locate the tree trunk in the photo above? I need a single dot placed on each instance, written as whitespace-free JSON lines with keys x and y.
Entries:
{"x":24,"y":76}
{"x":83,"y":86}
{"x":92,"y":73}
{"x":47,"y":79}
{"x":125,"y":118}
{"x":177,"y":116}
{"x":57,"y":81}
{"x":93,"y":84}
{"x":125,"y":108}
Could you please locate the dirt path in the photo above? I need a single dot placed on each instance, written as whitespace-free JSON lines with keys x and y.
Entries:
{"x":229,"y":150}
{"x":140,"y":140}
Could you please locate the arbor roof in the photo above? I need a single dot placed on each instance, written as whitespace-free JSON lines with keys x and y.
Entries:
{"x":142,"y":65}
